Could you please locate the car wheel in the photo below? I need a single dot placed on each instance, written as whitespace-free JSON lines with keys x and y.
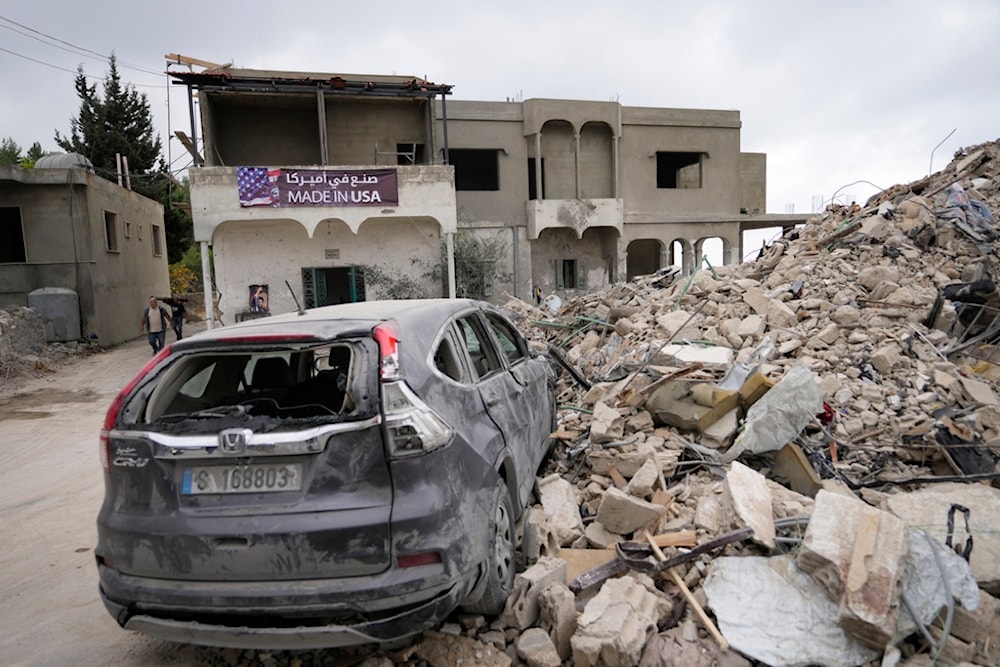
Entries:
{"x":500,"y":566}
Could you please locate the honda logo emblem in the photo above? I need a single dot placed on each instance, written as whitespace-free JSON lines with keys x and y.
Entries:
{"x":234,"y":440}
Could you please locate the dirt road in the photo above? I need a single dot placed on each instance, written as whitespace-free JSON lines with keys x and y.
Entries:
{"x":51,"y":487}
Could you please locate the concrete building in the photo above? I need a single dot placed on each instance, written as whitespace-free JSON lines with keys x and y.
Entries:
{"x":84,"y":251}
{"x":578,"y":194}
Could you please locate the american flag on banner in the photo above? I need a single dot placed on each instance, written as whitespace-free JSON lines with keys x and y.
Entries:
{"x":257,"y":185}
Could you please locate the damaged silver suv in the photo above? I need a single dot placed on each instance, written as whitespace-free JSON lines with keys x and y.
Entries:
{"x":345,"y":475}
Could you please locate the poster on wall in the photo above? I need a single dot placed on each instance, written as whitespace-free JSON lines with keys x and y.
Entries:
{"x":258,"y":299}
{"x":260,"y":186}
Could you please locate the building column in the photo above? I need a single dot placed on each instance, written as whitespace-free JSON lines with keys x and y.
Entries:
{"x":576,"y":160}
{"x":209,"y":288}
{"x":449,"y":243}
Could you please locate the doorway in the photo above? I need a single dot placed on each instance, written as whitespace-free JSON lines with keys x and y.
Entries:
{"x":330,"y":286}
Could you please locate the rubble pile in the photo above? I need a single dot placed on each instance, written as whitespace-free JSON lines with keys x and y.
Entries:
{"x":819,"y":427}
{"x":792,"y":461}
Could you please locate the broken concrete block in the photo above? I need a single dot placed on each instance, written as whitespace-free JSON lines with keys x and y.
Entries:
{"x":615,"y":624}
{"x":751,"y":499}
{"x":629,"y":459}
{"x":751,"y":326}
{"x":607,"y":424}
{"x":599,"y":537}
{"x":645,"y":478}
{"x":771,"y":611}
{"x":927,"y":509}
{"x":672,"y":322}
{"x":710,"y":514}
{"x":536,"y":648}
{"x":711,"y":358}
{"x":979,"y":391}
{"x":522,"y":605}
{"x":932,"y":573}
{"x":722,"y":431}
{"x":672,"y":405}
{"x":557,"y":617}
{"x":621,"y":513}
{"x":562,"y":506}
{"x":885,"y":358}
{"x":980,"y":627}
{"x":540,"y":537}
{"x":857,"y":553}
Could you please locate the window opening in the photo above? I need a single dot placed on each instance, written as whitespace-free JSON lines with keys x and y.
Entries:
{"x":157,"y":251}
{"x":475,"y":168}
{"x":111,"y":231}
{"x":570,"y":274}
{"x":681,"y":171}
{"x":12,"y":248}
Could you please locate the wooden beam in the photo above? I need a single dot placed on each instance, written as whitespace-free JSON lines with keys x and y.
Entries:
{"x":177,"y":59}
{"x":189,"y":145}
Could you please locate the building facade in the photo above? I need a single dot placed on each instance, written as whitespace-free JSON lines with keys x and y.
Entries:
{"x":577,"y":194}
{"x":67,"y":230}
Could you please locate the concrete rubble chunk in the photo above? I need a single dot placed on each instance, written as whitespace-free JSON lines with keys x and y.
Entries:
{"x":622,"y":513}
{"x":644,"y":480}
{"x":522,"y":606}
{"x":607,"y":424}
{"x":557,"y":617}
{"x":536,"y":648}
{"x":562,"y":506}
{"x":927,"y":509}
{"x":751,"y":499}
{"x":711,"y":358}
{"x":929,"y":563}
{"x":616,"y":624}
{"x":770,"y":610}
{"x":539,"y":537}
{"x":857,"y":553}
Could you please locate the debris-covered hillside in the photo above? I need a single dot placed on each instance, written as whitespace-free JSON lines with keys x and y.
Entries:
{"x":828,"y":411}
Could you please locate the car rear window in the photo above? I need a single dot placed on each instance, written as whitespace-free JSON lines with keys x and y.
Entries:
{"x":328,"y":382}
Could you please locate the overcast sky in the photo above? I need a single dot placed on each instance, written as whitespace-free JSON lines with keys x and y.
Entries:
{"x":833,"y":92}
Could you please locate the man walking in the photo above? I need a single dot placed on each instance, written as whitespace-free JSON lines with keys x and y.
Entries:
{"x":155,"y":322}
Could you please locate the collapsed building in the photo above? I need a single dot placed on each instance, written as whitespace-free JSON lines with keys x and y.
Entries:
{"x":789,"y":461}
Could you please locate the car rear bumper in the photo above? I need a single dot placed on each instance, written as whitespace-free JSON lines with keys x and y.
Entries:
{"x":218,"y":620}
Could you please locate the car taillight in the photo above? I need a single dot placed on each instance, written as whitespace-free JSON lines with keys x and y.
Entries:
{"x":387,"y":338}
{"x":111,"y":416}
{"x":411,"y":426}
{"x":416,"y":560}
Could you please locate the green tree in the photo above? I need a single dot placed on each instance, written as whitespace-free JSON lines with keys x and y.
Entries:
{"x":10,"y":152}
{"x":479,"y":262}
{"x":32,"y":156}
{"x":117,"y":123}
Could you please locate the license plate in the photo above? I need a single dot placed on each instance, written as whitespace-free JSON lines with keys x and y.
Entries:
{"x":253,"y":478}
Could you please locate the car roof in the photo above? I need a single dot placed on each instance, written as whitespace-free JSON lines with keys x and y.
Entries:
{"x":418,"y":319}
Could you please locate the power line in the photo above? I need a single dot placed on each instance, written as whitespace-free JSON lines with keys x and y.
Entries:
{"x":63,"y":69}
{"x":82,"y":50}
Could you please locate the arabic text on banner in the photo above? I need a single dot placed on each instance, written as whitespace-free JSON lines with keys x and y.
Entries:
{"x":260,"y":186}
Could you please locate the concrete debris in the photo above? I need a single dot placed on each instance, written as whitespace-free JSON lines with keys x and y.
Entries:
{"x":522,"y":608}
{"x":616,"y":623}
{"x":856,"y":552}
{"x":770,"y":610}
{"x":842,"y":379}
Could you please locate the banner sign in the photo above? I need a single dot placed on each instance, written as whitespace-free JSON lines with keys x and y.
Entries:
{"x":260,"y":186}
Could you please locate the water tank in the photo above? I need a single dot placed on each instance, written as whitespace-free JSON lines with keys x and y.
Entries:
{"x":60,"y":310}
{"x":63,"y":161}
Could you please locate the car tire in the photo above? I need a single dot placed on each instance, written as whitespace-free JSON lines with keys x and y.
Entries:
{"x":500,"y":562}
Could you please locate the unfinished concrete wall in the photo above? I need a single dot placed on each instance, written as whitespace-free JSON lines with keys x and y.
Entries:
{"x":63,"y":216}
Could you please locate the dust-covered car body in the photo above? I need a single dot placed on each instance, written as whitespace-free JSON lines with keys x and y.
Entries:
{"x":346,"y":475}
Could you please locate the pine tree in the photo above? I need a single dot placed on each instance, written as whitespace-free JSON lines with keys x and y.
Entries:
{"x":119,"y":122}
{"x":10,"y":152}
